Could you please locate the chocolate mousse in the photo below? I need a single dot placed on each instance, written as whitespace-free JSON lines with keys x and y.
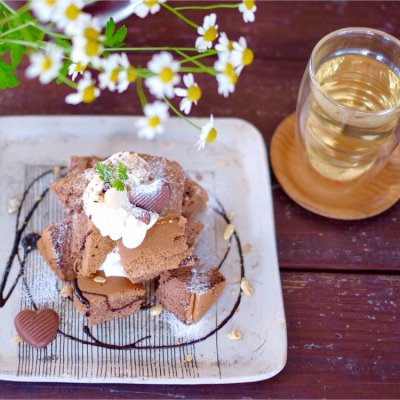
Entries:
{"x":189,"y":292}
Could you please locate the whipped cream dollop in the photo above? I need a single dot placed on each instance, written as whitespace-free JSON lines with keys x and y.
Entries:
{"x":112,"y":265}
{"x":110,"y":209}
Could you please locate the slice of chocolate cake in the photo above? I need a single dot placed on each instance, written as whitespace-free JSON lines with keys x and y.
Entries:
{"x":103,"y":298}
{"x":189,"y":292}
{"x":163,"y":248}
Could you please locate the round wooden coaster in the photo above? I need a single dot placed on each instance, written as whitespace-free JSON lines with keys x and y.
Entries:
{"x":339,"y":200}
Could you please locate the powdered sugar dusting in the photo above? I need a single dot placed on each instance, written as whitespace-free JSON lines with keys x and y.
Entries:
{"x":186,"y":333}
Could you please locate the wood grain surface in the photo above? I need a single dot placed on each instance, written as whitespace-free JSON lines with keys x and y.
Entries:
{"x":341,"y":279}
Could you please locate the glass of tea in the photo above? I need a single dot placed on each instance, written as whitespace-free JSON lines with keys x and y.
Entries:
{"x":348,"y":106}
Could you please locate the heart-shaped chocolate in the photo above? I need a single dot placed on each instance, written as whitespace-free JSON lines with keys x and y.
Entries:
{"x":151,"y":197}
{"x":37,"y":328}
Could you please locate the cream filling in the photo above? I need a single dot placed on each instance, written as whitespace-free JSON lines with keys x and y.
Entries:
{"x":111,"y":212}
{"x":112,"y":265}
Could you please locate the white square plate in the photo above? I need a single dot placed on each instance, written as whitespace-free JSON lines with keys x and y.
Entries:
{"x":234,"y":171}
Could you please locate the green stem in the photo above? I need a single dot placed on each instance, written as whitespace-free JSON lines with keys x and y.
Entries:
{"x":187,"y":58}
{"x":140,"y":92}
{"x":213,"y":7}
{"x":208,"y":53}
{"x":67,"y":81}
{"x":33,"y":45}
{"x":152,"y":49}
{"x":210,"y":70}
{"x":16,"y":14}
{"x":9,"y":9}
{"x":179,"y":15}
{"x":179,"y":114}
{"x":18,"y":28}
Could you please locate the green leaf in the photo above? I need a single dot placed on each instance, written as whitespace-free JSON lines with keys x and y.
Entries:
{"x":119,"y":185}
{"x":106,"y":173}
{"x":117,"y":40}
{"x":63,"y":71}
{"x":122,"y":172}
{"x":16,"y":55}
{"x":110,"y":28}
{"x":8,"y":79}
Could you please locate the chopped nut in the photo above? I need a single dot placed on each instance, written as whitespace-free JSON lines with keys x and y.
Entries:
{"x":246,"y":286}
{"x":247,"y":248}
{"x":57,"y":171}
{"x":156,"y":310}
{"x":230,"y":228}
{"x":189,"y":358}
{"x":178,"y":342}
{"x":235,"y":334}
{"x":38,"y":198}
{"x":67,"y":291}
{"x":13,"y":205}
{"x":99,"y":279}
{"x":17,"y":340}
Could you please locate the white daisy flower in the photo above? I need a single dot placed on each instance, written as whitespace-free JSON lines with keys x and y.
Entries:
{"x":86,"y":42}
{"x":191,"y":95}
{"x":68,"y":15}
{"x":76,"y":69}
{"x":165,"y":71}
{"x":148,"y":6}
{"x":227,"y":76}
{"x":117,"y":73}
{"x":242,"y":56}
{"x":44,"y":9}
{"x":248,"y":8}
{"x":208,"y":32}
{"x":208,"y":134}
{"x":224,"y":45}
{"x":152,"y":124}
{"x":45,"y":64}
{"x":87,"y":91}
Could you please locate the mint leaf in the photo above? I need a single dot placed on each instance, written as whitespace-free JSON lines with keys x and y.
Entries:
{"x":122,"y":172}
{"x":106,"y":173}
{"x":119,"y":185}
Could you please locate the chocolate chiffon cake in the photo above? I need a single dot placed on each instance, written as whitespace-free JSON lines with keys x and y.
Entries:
{"x":130,"y":219}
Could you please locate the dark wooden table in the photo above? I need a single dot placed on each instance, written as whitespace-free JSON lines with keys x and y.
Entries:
{"x":340,"y":280}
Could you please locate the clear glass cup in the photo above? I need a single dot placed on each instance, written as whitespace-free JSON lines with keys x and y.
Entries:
{"x":348,"y":105}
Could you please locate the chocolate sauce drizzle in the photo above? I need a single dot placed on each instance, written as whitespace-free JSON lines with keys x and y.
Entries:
{"x":29,"y":242}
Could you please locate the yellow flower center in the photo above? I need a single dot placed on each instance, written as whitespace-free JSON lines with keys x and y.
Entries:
{"x":194,"y":93}
{"x":92,"y":48}
{"x":89,"y":94}
{"x":231,"y":73}
{"x":91,"y":34}
{"x":47,"y":63}
{"x":230,"y":45}
{"x":212,"y":135}
{"x":51,"y":2}
{"x":150,"y":3}
{"x":132,"y":75}
{"x":210,"y":34}
{"x":154,"y":121}
{"x":249,"y":4}
{"x":167,"y":75}
{"x":80,"y":67}
{"x":115,"y":75}
{"x":248,"y":57}
{"x":72,"y":12}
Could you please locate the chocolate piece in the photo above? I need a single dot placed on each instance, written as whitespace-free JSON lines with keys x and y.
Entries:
{"x":37,"y":328}
{"x":192,"y":231}
{"x":116,"y":297}
{"x":172,"y":173}
{"x":151,"y":197}
{"x":163,"y":248}
{"x":189,"y":292}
